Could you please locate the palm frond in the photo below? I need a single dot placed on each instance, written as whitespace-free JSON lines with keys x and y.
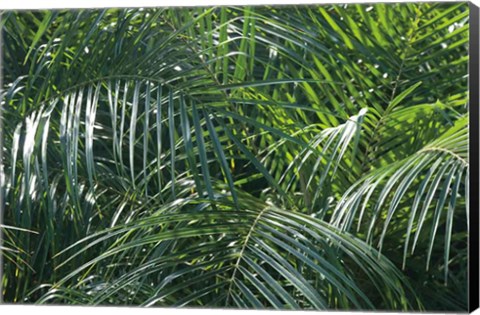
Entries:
{"x":433,"y":174}
{"x":263,"y":261}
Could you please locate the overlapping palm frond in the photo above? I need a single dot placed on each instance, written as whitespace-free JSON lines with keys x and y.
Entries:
{"x":256,"y":256}
{"x":437,"y":170}
{"x":237,"y":156}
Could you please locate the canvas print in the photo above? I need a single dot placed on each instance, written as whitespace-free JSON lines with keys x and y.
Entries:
{"x":248,"y":157}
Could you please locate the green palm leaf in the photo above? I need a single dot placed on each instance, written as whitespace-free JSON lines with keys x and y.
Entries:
{"x":264,"y":256}
{"x":223,"y":156}
{"x":436,"y":169}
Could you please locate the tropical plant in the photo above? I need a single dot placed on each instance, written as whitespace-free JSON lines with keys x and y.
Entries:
{"x":254,"y":157}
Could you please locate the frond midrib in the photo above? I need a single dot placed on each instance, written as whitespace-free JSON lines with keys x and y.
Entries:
{"x":242,"y":251}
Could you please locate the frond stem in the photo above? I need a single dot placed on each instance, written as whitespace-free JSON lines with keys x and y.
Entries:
{"x":240,"y":255}
{"x":371,"y":147}
{"x":458,"y":157}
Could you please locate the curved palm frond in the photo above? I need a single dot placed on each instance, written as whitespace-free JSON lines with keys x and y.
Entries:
{"x":259,"y":256}
{"x":435,"y":174}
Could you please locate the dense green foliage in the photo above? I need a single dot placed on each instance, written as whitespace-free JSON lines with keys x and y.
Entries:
{"x":251,"y":157}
